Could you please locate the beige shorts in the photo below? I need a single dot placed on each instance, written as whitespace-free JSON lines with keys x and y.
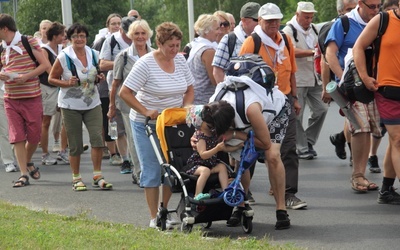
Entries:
{"x":49,"y":99}
{"x":369,"y":113}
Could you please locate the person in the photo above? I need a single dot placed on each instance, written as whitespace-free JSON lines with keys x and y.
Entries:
{"x":139,"y":31}
{"x":135,"y":14}
{"x":79,"y":102}
{"x":55,"y":35}
{"x":43,"y":27}
{"x":209,"y":131}
{"x":107,"y":57}
{"x":386,"y":88}
{"x":225,"y":25}
{"x":158,"y":80}
{"x":336,"y":50}
{"x":390,"y":5}
{"x":277,"y":55}
{"x":304,"y":37}
{"x":113,"y":24}
{"x":22,"y":96}
{"x":248,"y":20}
{"x":201,"y":56}
{"x":232,"y":21}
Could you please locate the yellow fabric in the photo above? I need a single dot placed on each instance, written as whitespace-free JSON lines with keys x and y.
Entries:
{"x":168,"y":117}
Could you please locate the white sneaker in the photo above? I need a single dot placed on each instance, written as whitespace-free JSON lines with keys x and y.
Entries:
{"x":153,"y":223}
{"x":48,"y":160}
{"x":63,"y":156}
{"x":10,"y":167}
{"x":56,"y":147}
{"x":116,"y":160}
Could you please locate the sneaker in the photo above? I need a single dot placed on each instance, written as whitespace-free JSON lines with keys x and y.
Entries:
{"x":339,"y":146}
{"x":292,"y":202}
{"x":10,"y":167}
{"x":250,"y":198}
{"x":48,"y":160}
{"x":235,"y":218}
{"x":153,"y":223}
{"x":116,"y":160}
{"x":126,"y":168}
{"x":106,"y":153}
{"x":389,"y":197}
{"x":135,"y":179}
{"x":373,"y":164}
{"x":311,"y":150}
{"x":56,"y":147}
{"x":283,"y":221}
{"x":305,"y":156}
{"x":202,"y":196}
{"x":63,"y":156}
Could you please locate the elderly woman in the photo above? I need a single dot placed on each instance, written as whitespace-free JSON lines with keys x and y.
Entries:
{"x":224,"y":23}
{"x":75,"y":71}
{"x":158,"y":80}
{"x":201,"y":56}
{"x":139,"y":32}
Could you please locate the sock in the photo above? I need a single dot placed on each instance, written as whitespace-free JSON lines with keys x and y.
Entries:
{"x":76,"y":176}
{"x":95,"y":173}
{"x":387,"y":183}
{"x":125,"y":158}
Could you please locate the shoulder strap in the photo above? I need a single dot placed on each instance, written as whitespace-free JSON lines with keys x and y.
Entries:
{"x":257,"y":42}
{"x":345,"y":24}
{"x":314,"y":29}
{"x":294,"y":31}
{"x":240,"y":106}
{"x":114,"y":42}
{"x":286,"y":41}
{"x":231,"y":42}
{"x":49,"y":55}
{"x":28,"y":49}
{"x":71,"y":65}
{"x":125,"y":55}
{"x":383,"y":23}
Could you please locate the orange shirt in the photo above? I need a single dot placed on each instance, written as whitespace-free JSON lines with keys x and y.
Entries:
{"x":389,"y":55}
{"x":282,"y":71}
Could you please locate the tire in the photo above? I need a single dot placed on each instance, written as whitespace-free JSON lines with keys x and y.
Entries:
{"x":207,"y":225}
{"x":247,"y":223}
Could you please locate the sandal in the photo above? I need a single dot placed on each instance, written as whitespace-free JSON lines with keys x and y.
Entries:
{"x":22,"y":181}
{"x":78,"y":185}
{"x":34,"y":172}
{"x":99,"y":182}
{"x":355,"y":185}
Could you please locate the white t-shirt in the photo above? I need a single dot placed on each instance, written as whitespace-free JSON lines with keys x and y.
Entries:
{"x":155,"y":88}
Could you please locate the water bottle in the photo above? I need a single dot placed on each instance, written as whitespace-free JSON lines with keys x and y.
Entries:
{"x":357,"y":79}
{"x":112,"y":130}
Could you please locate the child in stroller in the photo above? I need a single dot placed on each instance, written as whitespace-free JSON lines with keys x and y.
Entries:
{"x":204,"y":161}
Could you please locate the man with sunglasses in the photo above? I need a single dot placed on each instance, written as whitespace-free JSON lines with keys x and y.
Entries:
{"x":337,"y":48}
{"x":135,"y":14}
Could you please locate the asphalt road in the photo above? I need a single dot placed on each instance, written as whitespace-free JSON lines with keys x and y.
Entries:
{"x":336,"y":217}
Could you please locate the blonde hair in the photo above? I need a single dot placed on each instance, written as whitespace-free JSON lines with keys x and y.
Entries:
{"x":142,"y":24}
{"x":221,"y":14}
{"x":45,"y":22}
{"x":204,"y":24}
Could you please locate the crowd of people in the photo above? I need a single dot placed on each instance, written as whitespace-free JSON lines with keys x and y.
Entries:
{"x":54,"y":82}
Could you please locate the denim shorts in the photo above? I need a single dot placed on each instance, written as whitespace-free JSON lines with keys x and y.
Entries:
{"x":150,"y":175}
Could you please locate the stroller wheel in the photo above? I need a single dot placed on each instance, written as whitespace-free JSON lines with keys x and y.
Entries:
{"x":233,"y":198}
{"x":207,"y":225}
{"x":247,"y":223}
{"x":186,"y":228}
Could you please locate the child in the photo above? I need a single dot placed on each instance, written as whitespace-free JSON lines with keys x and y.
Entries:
{"x":211,"y":123}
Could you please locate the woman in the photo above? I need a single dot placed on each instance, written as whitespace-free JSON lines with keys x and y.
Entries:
{"x":223,"y":23}
{"x":158,"y":80}
{"x":202,"y":55}
{"x":140,"y":33}
{"x":79,"y":101}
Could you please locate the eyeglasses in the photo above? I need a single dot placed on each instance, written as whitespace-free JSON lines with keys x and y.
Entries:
{"x":78,"y":36}
{"x":135,"y":16}
{"x":373,"y":6}
{"x":224,"y":24}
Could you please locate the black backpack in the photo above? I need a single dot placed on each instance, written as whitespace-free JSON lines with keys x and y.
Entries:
{"x":97,"y":45}
{"x":323,"y":32}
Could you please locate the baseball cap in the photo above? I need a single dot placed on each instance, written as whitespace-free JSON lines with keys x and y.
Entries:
{"x":126,"y":22}
{"x":306,"y":7}
{"x":250,"y":9}
{"x":270,"y":11}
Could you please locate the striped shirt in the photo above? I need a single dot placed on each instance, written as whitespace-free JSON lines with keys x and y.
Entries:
{"x":155,"y":88}
{"x":21,"y":64}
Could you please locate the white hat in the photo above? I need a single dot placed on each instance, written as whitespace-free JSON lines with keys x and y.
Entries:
{"x":306,"y":7}
{"x":270,"y":11}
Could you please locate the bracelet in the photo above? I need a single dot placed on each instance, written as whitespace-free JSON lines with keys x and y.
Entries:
{"x":234,"y":134}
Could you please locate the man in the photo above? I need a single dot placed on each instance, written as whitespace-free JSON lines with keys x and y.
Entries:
{"x":276,"y":54}
{"x":231,"y":21}
{"x":337,"y":48}
{"x":107,"y":56}
{"x":385,"y":84}
{"x":22,"y":96}
{"x":304,"y":36}
{"x":134,"y":13}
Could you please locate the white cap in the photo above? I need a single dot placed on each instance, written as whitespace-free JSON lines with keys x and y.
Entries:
{"x":306,"y":7}
{"x":270,"y":11}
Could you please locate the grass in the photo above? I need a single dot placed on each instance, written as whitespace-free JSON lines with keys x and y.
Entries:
{"x":21,"y":228}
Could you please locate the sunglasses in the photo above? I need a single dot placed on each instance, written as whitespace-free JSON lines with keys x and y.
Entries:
{"x":225,"y":24}
{"x":373,"y":6}
{"x":135,"y":16}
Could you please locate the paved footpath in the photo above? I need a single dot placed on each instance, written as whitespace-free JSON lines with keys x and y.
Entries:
{"x":336,"y":217}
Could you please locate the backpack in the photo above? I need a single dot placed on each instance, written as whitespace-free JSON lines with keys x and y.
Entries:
{"x":186,"y":50}
{"x":71,"y":65}
{"x":257,"y":42}
{"x":253,"y":66}
{"x":28,"y":48}
{"x":99,"y":44}
{"x":355,"y":89}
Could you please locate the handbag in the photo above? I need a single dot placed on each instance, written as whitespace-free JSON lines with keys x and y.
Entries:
{"x":249,"y":155}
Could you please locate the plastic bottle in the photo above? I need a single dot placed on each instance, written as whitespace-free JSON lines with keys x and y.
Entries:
{"x":112,"y":130}
{"x":357,"y":79}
